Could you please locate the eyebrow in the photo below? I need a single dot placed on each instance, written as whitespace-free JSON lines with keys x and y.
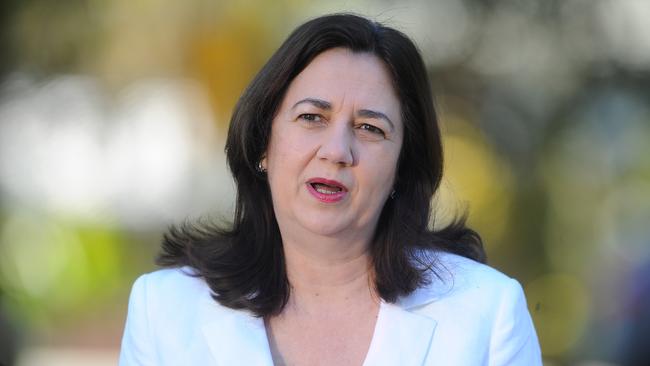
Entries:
{"x":318,"y":103}
{"x":324,"y":105}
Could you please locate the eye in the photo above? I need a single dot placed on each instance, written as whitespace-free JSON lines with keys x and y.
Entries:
{"x":372,"y":129}
{"x":310,"y":117}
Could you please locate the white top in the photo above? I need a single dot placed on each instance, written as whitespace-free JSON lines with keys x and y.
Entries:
{"x":474,"y":316}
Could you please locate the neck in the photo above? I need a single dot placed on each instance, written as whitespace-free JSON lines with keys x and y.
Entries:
{"x":328,"y":271}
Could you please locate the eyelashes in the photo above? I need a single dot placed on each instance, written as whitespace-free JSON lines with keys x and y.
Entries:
{"x":310,"y":117}
{"x":372,"y":129}
{"x":313,"y":118}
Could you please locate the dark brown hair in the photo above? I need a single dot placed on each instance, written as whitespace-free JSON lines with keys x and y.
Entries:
{"x":243,"y":263}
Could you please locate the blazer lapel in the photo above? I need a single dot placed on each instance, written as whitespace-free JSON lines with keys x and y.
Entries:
{"x":234,"y":337}
{"x":401,"y":337}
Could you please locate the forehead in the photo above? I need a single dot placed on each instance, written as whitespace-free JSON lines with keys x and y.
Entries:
{"x":340,"y":76}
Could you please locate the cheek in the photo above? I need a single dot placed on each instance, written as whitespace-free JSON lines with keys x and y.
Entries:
{"x":280,"y":148}
{"x":287,"y":155}
{"x":380,"y":174}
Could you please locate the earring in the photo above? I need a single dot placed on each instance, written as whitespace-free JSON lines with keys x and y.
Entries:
{"x":392,"y":194}
{"x":260,"y":168}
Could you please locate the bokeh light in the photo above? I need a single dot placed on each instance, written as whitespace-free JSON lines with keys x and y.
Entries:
{"x":113,"y":116}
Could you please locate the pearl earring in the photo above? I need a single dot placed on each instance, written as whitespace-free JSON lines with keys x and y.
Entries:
{"x":260,"y":167}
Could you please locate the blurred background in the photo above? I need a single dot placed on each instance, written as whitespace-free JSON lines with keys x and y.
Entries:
{"x":113,"y":116}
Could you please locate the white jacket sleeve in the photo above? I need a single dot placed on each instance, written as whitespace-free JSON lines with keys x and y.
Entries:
{"x":137,"y":347}
{"x":514,"y":341}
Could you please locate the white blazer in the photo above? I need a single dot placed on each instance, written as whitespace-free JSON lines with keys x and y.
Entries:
{"x":474,"y":316}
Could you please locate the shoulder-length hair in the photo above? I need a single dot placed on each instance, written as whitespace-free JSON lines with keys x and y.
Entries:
{"x":244,"y":263}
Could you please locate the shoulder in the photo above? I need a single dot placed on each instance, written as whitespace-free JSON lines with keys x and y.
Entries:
{"x":167,"y":280}
{"x":172,"y":288}
{"x":476,"y":307}
{"x":169,"y":297}
{"x":453,"y":277}
{"x":164,"y":318}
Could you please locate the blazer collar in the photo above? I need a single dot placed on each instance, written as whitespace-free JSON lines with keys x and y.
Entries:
{"x":427,"y":294}
{"x":235,"y":337}
{"x":441,"y":280}
{"x":401,"y":337}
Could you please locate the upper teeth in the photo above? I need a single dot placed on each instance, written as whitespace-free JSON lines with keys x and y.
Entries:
{"x":325,"y":189}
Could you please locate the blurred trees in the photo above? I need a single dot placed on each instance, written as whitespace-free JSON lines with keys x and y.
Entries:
{"x":113,"y":114}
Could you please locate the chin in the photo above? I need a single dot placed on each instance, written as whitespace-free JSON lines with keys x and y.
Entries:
{"x":322,"y":226}
{"x":324,"y":230}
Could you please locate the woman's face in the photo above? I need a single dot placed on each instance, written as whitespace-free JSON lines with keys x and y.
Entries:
{"x":334,"y":146}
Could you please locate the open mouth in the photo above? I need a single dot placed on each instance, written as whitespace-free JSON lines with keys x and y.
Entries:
{"x":325,"y":188}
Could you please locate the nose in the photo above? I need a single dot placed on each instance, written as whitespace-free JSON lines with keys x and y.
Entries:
{"x":336,"y":146}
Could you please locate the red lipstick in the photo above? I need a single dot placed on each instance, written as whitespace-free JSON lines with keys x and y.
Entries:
{"x":326,"y":190}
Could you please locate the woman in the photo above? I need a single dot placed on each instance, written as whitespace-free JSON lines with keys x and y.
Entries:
{"x":336,"y":153}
